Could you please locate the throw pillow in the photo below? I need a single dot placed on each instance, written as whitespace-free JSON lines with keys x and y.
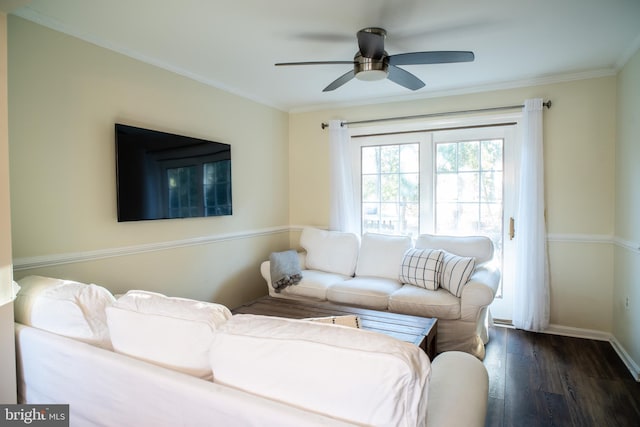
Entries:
{"x":65,"y":307}
{"x":330,"y":251}
{"x":381,"y":255}
{"x":172,"y":332}
{"x":455,"y":273}
{"x":421,"y":267}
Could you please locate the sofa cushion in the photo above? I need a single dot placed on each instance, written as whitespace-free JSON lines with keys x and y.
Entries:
{"x":175,"y":333}
{"x":371,"y":292}
{"x":479,"y":247}
{"x":421,"y":267}
{"x":423,"y":302}
{"x":455,"y":273}
{"x":381,"y":255}
{"x":351,"y":374}
{"x":72,"y":309}
{"x":330,"y":251}
{"x":314,"y":284}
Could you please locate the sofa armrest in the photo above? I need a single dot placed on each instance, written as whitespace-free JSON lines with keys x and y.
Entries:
{"x":458,"y":391}
{"x":265,"y":271}
{"x":479,"y":292}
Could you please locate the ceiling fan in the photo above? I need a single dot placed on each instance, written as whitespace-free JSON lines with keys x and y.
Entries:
{"x":372,"y":62}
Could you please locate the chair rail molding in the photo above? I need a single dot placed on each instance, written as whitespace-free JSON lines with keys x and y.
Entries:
{"x":28,"y":263}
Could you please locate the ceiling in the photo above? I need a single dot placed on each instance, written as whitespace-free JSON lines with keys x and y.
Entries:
{"x":233,"y":45}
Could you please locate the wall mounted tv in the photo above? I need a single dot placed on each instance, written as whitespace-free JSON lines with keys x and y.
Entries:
{"x":161,"y":175}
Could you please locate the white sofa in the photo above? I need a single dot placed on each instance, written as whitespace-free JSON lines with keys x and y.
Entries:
{"x":146,"y":359}
{"x":340,"y":268}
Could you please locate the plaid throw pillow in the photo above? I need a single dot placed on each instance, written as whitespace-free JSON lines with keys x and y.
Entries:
{"x":421,"y":267}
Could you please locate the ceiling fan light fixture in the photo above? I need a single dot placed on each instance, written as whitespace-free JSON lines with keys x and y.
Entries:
{"x":369,"y":70}
{"x":371,"y":75}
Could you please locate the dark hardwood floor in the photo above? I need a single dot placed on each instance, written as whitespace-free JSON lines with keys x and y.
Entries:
{"x":550,"y":380}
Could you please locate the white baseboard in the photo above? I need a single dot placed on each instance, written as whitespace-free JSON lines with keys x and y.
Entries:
{"x":591,"y":334}
{"x":631,"y":365}
{"x":569,"y":331}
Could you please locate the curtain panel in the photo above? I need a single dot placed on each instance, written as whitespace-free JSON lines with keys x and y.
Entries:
{"x":343,"y":212}
{"x":531,"y":291}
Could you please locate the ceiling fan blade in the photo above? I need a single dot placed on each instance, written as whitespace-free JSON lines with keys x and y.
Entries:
{"x":340,"y":81}
{"x":404,"y":78}
{"x":435,"y":57}
{"x":314,"y":63}
{"x":371,"y":42}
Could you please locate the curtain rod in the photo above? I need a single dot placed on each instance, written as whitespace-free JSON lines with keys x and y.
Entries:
{"x":422,"y":116}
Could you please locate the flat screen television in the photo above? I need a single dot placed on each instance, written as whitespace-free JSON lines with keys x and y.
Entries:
{"x":161,"y":175}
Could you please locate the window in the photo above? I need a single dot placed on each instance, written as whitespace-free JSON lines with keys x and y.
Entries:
{"x":455,"y":182}
{"x":469,"y":188}
{"x":390,"y":188}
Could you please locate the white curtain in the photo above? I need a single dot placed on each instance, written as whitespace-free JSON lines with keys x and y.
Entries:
{"x":531,"y":293}
{"x":342,"y":216}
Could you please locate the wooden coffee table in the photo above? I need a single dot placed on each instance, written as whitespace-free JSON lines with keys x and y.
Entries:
{"x":421,"y":331}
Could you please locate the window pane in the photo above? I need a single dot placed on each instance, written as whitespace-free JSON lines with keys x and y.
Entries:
{"x":468,"y":184}
{"x":491,"y":187}
{"x":447,"y":159}
{"x":409,"y":158}
{"x":409,"y":187}
{"x":491,"y":155}
{"x":370,"y":160}
{"x":410,"y":219}
{"x":447,"y":187}
{"x":390,"y":159}
{"x":446,"y":218}
{"x":468,"y":156}
{"x":370,"y":188}
{"x":389,"y":217}
{"x":491,"y":218}
{"x":468,"y":218}
{"x":389,"y":185}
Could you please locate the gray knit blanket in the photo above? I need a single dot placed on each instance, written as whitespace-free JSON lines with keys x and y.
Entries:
{"x":285,"y":269}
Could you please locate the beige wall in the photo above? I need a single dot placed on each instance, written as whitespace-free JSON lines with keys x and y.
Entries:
{"x":579,"y":134}
{"x":7,"y":359}
{"x":66,"y":94}
{"x":64,"y":97}
{"x":626,"y":320}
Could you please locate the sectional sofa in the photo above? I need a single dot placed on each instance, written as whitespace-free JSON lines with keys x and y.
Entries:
{"x":451,"y":278}
{"x":147,"y":359}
